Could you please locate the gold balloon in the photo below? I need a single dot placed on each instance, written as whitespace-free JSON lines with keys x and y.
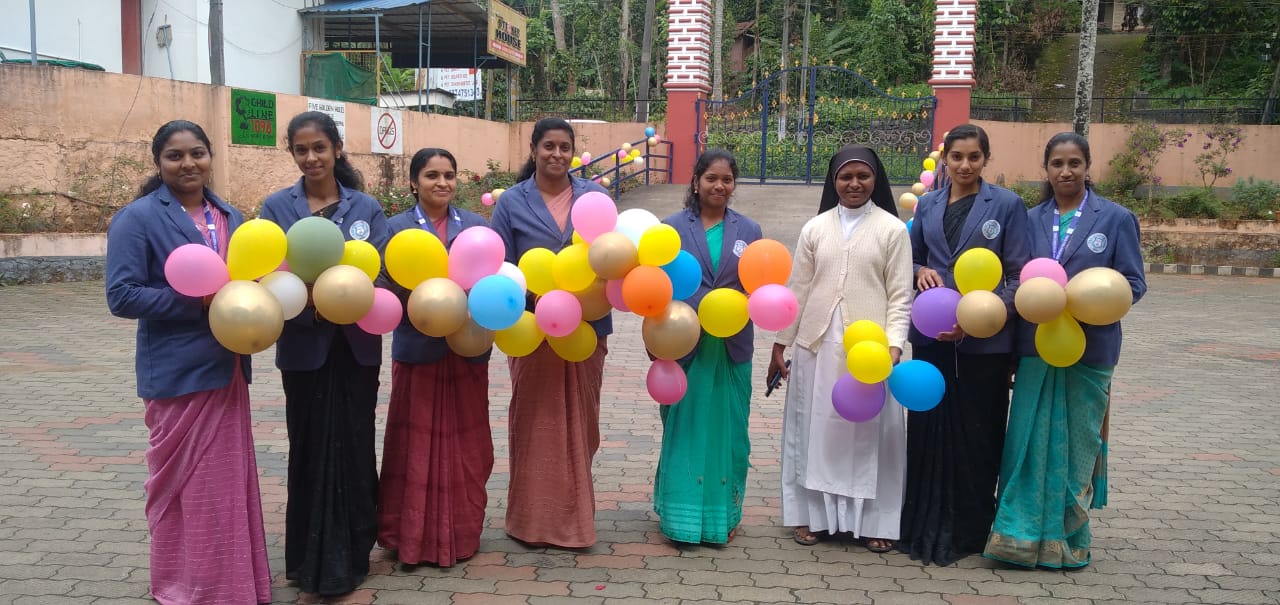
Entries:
{"x":343,"y":294}
{"x":612,"y":255}
{"x":245,"y":317}
{"x":438,"y":307}
{"x":1060,"y":342}
{"x":673,"y":333}
{"x":918,"y":189}
{"x":981,"y":314}
{"x":471,"y":340}
{"x":1099,"y":296}
{"x":595,"y":304}
{"x":1040,"y":300}
{"x":907,"y":201}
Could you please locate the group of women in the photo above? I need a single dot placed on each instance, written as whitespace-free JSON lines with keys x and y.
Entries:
{"x":926,"y":481}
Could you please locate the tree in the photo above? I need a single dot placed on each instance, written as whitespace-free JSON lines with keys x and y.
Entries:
{"x":1084,"y":74}
{"x":562,"y":50}
{"x":646,"y":63}
{"x":624,"y":47}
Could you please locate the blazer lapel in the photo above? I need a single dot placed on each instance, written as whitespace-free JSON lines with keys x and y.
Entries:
{"x":1083,"y":227}
{"x":977,"y":215}
{"x":233,"y":221}
{"x":931,"y":223}
{"x":727,"y":256}
{"x":691,"y":231}
{"x":537,"y":207}
{"x":300,"y":205}
{"x":178,"y":216}
{"x":452,"y":227}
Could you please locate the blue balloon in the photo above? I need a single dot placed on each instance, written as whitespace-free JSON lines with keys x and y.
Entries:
{"x":648,"y":132}
{"x":496,"y":302}
{"x":910,"y":221}
{"x":917,"y":385}
{"x":685,"y":274}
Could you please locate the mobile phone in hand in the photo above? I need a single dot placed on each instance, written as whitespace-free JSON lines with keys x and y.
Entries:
{"x":775,"y":380}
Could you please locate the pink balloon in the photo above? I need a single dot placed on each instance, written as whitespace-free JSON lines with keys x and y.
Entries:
{"x":476,"y":252}
{"x":385,"y":314}
{"x":195,"y":270}
{"x":1044,"y":267}
{"x":773,"y":307}
{"x":592,"y":214}
{"x":666,"y":381}
{"x":926,"y":178}
{"x":613,"y":292}
{"x":622,"y":156}
{"x":487,"y":199}
{"x":558,"y":313}
{"x":657,"y":138}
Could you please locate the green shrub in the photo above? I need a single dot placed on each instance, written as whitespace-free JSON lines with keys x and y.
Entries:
{"x":1254,"y":200}
{"x":1194,"y":203}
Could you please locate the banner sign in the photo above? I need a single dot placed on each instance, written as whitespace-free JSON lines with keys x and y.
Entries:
{"x":253,"y":118}
{"x":506,"y":33}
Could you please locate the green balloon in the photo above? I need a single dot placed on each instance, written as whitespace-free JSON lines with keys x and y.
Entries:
{"x":315,"y":244}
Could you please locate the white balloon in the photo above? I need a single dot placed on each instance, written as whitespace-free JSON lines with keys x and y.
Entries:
{"x":634,"y":222}
{"x":515,"y":274}
{"x":289,"y":290}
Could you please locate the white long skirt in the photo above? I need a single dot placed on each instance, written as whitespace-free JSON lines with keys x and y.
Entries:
{"x":839,"y":476}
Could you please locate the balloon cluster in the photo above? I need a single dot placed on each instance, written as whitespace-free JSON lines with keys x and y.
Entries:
{"x":860,"y":395}
{"x":975,"y":307}
{"x":627,"y":153}
{"x":1097,"y":296}
{"x":491,"y":197}
{"x":908,"y":200}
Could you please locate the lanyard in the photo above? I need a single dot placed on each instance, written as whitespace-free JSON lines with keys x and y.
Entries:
{"x":422,"y":219}
{"x":213,"y":228}
{"x":1060,"y":246}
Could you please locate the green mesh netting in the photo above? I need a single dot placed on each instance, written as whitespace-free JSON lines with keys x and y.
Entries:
{"x":332,"y":76}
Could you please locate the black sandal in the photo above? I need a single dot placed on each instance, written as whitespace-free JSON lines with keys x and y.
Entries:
{"x":879,"y":545}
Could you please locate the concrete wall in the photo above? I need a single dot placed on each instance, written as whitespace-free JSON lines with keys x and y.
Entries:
{"x":1017,"y":152}
{"x":80,"y":30}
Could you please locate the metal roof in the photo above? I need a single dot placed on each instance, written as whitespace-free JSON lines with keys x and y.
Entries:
{"x":453,"y":31}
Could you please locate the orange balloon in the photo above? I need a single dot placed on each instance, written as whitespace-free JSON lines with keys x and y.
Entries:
{"x":647,"y":290}
{"x":765,"y":261}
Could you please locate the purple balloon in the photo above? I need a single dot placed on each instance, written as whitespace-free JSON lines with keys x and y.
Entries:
{"x":857,"y":401}
{"x":934,"y":311}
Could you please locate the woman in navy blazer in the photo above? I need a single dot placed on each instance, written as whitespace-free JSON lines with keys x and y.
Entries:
{"x":555,"y":404}
{"x":202,"y":504}
{"x":1055,"y":454}
{"x":953,"y":450}
{"x":330,"y":378}
{"x":702,"y":475}
{"x":438,"y":450}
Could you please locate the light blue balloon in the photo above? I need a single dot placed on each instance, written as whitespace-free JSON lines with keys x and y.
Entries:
{"x":910,"y":222}
{"x":917,"y":385}
{"x":685,"y":274}
{"x":648,"y":132}
{"x":496,"y":302}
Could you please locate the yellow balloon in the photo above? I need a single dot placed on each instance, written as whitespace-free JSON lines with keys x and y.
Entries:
{"x":471,"y":340}
{"x":929,"y":164}
{"x":864,"y":329}
{"x":907,"y":201}
{"x":256,"y":249}
{"x":575,"y":162}
{"x":536,"y":265}
{"x":981,"y":314}
{"x":604,"y":181}
{"x":1040,"y":300}
{"x":342,"y":294}
{"x":496,"y":193}
{"x":659,"y":245}
{"x":1099,"y":296}
{"x":612,"y":255}
{"x":245,"y":317}
{"x":438,"y":307}
{"x":571,"y":270}
{"x":577,"y":238}
{"x":521,"y":339}
{"x":577,"y":346}
{"x":723,"y":312}
{"x":414,"y":256}
{"x":1060,"y":342}
{"x":363,"y":256}
{"x":918,"y":189}
{"x":978,"y":269}
{"x":869,"y":362}
{"x":595,"y":303}
{"x":673,"y":333}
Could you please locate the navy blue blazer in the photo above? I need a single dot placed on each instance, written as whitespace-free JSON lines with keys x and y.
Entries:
{"x":176,"y":352}
{"x":738,"y":232}
{"x":1106,"y":235}
{"x":304,"y":344}
{"x":408,"y":345}
{"x":996,"y":222}
{"x":523,"y":221}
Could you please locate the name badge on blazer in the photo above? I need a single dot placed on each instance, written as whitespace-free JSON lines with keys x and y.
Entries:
{"x":739,"y":247}
{"x":359,"y":230}
{"x":1097,"y":243}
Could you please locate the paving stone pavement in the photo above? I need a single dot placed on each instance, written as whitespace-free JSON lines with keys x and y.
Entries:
{"x":1194,"y":515}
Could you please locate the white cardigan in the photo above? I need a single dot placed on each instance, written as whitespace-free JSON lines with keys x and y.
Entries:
{"x":869,"y":277}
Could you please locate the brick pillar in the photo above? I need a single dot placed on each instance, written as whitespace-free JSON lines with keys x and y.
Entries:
{"x":688,"y":79}
{"x":954,"y":23}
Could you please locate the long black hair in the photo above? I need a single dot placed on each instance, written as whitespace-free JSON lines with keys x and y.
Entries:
{"x":700,"y":167}
{"x":881,"y":193}
{"x":420,"y":160}
{"x":342,"y":168}
{"x":161,"y":137}
{"x":540,"y":129}
{"x":967,"y":131}
{"x":1063,"y":138}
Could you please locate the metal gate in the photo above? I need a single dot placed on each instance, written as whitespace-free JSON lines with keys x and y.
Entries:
{"x":787,"y":128}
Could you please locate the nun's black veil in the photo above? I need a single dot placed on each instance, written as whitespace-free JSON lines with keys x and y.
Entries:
{"x":881,"y":195}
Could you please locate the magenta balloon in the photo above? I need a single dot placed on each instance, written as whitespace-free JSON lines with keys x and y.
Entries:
{"x":613,"y":292}
{"x":926,"y":178}
{"x":934,"y":311}
{"x":773,"y":307}
{"x":857,"y":401}
{"x":592,"y":214}
{"x":1044,"y":267}
{"x":666,"y":381}
{"x":195,"y":270}
{"x":477,"y":252}
{"x":384,"y":315}
{"x":558,"y":313}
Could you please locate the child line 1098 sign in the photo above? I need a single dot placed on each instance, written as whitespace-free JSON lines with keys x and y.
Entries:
{"x":253,"y":118}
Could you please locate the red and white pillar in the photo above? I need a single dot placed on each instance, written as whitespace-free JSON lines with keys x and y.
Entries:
{"x":954,"y":23}
{"x":688,"y":79}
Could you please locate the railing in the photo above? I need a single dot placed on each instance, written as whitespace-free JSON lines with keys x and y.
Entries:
{"x":609,"y":167}
{"x":606,"y":110}
{"x":1164,"y":110}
